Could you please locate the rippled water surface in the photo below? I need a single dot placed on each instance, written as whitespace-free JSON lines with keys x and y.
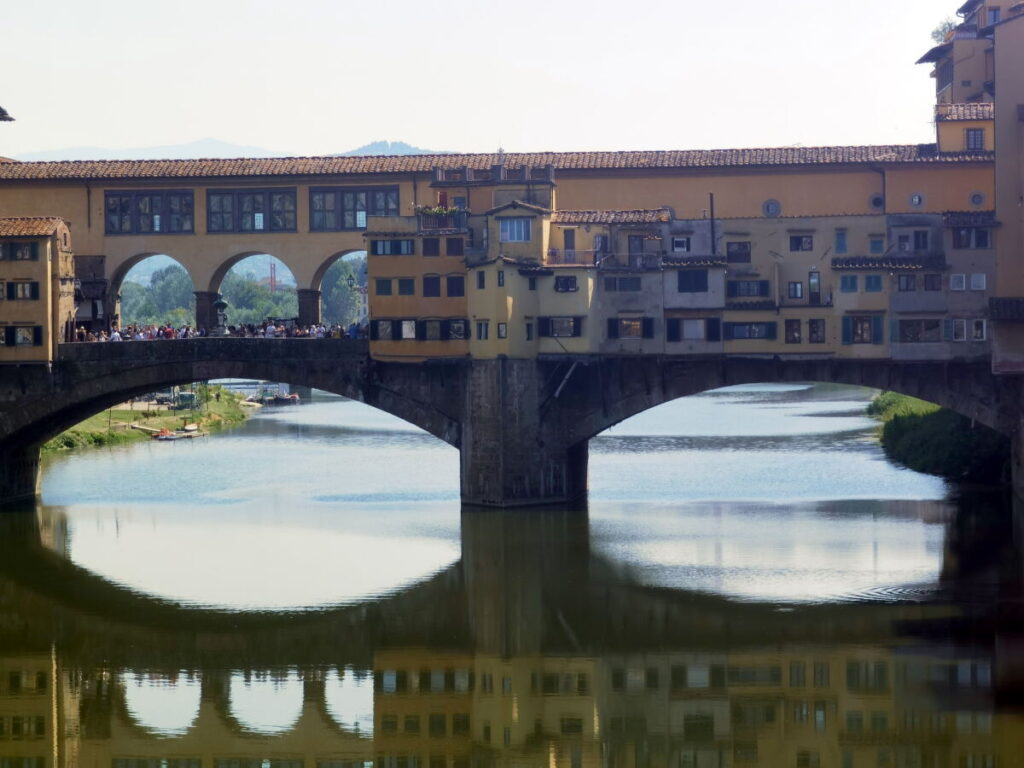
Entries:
{"x":752,"y":584}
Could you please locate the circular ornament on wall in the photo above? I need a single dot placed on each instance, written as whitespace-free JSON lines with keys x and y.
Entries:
{"x":771,"y":208}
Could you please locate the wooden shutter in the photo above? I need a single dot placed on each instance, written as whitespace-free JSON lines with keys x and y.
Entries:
{"x":672,"y":329}
{"x":730,"y":289}
{"x":877,"y":335}
{"x":764,"y":288}
{"x":34,"y":290}
{"x":613,"y":328}
{"x":543,"y":326}
{"x":947,"y":329}
{"x":396,"y":330}
{"x":12,"y":291}
{"x":37,"y":336}
{"x":847,"y":330}
{"x":446,"y":330}
{"x":772,"y":332}
{"x":10,"y":336}
{"x":421,"y":330}
{"x":577,"y":326}
{"x":647,"y":327}
{"x":713,"y":329}
{"x":33,"y":251}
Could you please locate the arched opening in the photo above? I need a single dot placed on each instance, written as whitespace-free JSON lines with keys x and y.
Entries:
{"x":256,"y":286}
{"x":774,"y":491}
{"x":348,"y":696}
{"x":153,"y":289}
{"x":165,"y":705}
{"x":266,"y":702}
{"x":340,"y":283}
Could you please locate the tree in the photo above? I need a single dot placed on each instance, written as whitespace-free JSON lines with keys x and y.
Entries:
{"x":341,"y":303}
{"x":946,"y":26}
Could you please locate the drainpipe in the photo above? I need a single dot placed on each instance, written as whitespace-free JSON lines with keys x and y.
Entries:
{"x":714,"y":240}
{"x":885,"y":191}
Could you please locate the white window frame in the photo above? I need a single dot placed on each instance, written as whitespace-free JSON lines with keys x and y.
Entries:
{"x":681,"y":244}
{"x":692,"y":329}
{"x":483,"y":330}
{"x":975,"y":325}
{"x":408,"y":330}
{"x":502,"y":330}
{"x":514,"y":229}
{"x":958,"y":282}
{"x":959,"y":329}
{"x":979,"y":281}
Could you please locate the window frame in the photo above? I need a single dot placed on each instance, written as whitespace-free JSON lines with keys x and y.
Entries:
{"x":370,"y":208}
{"x":566,"y":284}
{"x":795,"y":289}
{"x":681,"y":244}
{"x":738,"y":251}
{"x":265,"y":195}
{"x":974,"y":139}
{"x":134,"y":215}
{"x":873,"y":284}
{"x":377,"y":247}
{"x":801,"y":243}
{"x":816,"y":330}
{"x":515,"y":229}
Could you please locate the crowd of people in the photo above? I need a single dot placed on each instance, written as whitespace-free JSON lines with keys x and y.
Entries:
{"x":266,"y":330}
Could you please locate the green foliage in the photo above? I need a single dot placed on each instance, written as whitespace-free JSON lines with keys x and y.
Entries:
{"x":250,"y":301}
{"x":927,"y":438}
{"x":340,"y":303}
{"x":169,"y":298}
{"x":943,"y":29}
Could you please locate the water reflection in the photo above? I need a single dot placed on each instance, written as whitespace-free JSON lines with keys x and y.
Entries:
{"x":536,"y":648}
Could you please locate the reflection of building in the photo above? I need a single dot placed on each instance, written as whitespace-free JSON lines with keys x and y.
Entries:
{"x":37,"y":288}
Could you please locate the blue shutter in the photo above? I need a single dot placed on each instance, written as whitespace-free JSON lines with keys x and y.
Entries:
{"x":730,"y":289}
{"x":446,"y":330}
{"x":613,"y":328}
{"x":672,"y":329}
{"x":847,"y":330}
{"x":772,"y":331}
{"x":10,"y":336}
{"x":34,"y":290}
{"x":647,"y":327}
{"x":713,"y":328}
{"x":544,"y":326}
{"x":764,"y":288}
{"x":34,"y":251}
{"x":12,"y":291}
{"x":577,"y":326}
{"x":877,"y":334}
{"x":37,"y":336}
{"x":947,"y":329}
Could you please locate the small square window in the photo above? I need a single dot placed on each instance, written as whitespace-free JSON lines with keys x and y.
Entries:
{"x":876,"y":245}
{"x":681,"y":244}
{"x":383,"y":286}
{"x":482,"y":330}
{"x":958,"y":282}
{"x":873,"y":283}
{"x":907,"y":283}
{"x":933,"y":282}
{"x":566,"y":283}
{"x":502,"y":330}
{"x":978,"y":281}
{"x":959,"y":329}
{"x":406,"y":286}
{"x":737,"y":252}
{"x":431,"y":286}
{"x":801,"y":243}
{"x":531,"y":283}
{"x":848,"y":283}
{"x":796,"y":290}
{"x":978,"y":330}
{"x":816,"y":331}
{"x":431,"y":246}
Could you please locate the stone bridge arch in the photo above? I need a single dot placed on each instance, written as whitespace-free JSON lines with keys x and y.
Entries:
{"x":119,"y":274}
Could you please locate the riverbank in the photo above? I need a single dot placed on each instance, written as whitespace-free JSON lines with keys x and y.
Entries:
{"x":926,"y":438}
{"x":113,"y":426}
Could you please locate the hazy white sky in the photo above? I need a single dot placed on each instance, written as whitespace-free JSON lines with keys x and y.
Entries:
{"x":323,"y":76}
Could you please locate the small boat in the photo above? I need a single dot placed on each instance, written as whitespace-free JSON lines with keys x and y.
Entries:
{"x":282,"y":399}
{"x":166,"y":434}
{"x":190,"y":428}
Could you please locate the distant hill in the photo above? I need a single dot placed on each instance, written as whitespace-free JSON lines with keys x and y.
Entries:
{"x":208,"y":148}
{"x":389,"y":148}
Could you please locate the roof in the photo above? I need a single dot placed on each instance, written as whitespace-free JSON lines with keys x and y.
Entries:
{"x":1006,"y":309}
{"x":887,"y":262}
{"x":969,"y":218}
{"x":637,"y":216}
{"x":515,"y":205}
{"x":973,"y":111}
{"x":967,"y":7}
{"x":562,"y":161}
{"x":30,"y":226}
{"x":937,"y":53}
{"x":5,"y":116}
{"x":694,"y":261}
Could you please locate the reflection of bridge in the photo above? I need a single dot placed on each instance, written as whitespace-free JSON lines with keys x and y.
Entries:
{"x":522,"y":426}
{"x":529,"y":604}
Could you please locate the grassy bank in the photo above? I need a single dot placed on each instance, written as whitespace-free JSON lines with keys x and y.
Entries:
{"x":112,"y":427}
{"x":927,"y":438}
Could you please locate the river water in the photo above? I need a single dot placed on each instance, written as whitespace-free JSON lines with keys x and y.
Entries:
{"x":753,"y":583}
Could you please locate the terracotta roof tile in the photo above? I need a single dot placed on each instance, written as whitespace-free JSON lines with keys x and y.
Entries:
{"x":969,"y":218}
{"x":694,"y":261}
{"x":639,"y":216}
{"x":888,"y":262}
{"x":562,"y":161}
{"x":30,"y":226}
{"x":1006,"y":309}
{"x":973,"y":111}
{"x":516,"y":204}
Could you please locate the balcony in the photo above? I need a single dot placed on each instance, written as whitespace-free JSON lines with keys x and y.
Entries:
{"x":573,"y":257}
{"x":450,"y":221}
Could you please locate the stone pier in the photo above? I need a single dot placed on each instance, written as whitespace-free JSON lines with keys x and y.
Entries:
{"x":309,"y":306}
{"x":19,"y":473}
{"x":206,"y":315}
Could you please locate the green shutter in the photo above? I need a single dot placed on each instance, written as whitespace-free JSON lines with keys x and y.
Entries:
{"x":647,"y":327}
{"x":764,"y":288}
{"x":847,"y":330}
{"x":12,"y":291}
{"x":37,"y":336}
{"x":877,"y":334}
{"x":947,"y":329}
{"x":613,"y":328}
{"x":34,"y":251}
{"x":34,"y":290}
{"x":772,"y":331}
{"x":543,"y":326}
{"x":10,"y":336}
{"x":577,"y":326}
{"x":672,"y":329}
{"x":713,"y":329}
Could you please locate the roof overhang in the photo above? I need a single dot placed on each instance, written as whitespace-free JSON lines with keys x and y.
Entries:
{"x":937,"y":53}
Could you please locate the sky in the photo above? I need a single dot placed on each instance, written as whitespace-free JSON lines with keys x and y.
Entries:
{"x":325,"y":76}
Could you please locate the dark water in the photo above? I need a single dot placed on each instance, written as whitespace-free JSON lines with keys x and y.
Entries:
{"x":753,"y":584}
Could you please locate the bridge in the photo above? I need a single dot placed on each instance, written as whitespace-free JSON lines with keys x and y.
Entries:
{"x":522,"y":426}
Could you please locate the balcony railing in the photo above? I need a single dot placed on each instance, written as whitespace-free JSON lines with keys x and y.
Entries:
{"x":571,"y":256}
{"x":434,"y":222}
{"x":603,"y":259}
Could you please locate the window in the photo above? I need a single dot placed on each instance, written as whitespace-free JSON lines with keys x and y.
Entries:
{"x":978,"y":281}
{"x":903,"y":243}
{"x":747,"y":288}
{"x":149,"y":212}
{"x":436,"y":724}
{"x":959,"y":329}
{"x":502,"y":330}
{"x":978,"y":330}
{"x":974,"y":140}
{"x":734,"y":331}
{"x":457,"y":329}
{"x":801,"y":243}
{"x":993,"y":15}
{"x":482,"y":329}
{"x":972,"y":237}
{"x":22,"y":291}
{"x":455,"y":285}
{"x":933,"y":282}
{"x":917,"y":199}
{"x":431,"y":246}
{"x":821,"y":674}
{"x":19,"y":251}
{"x":919,"y":331}
{"x":408,"y":330}
{"x":693,"y":281}
{"x":848,"y":283}
{"x":921,"y":239}
{"x":906,"y":283}
{"x":681,"y":245}
{"x":792,"y":331}
{"x":529,"y":331}
{"x":737,"y":252}
{"x":565,"y":283}
{"x":455,"y":246}
{"x":862,"y":329}
{"x":531,"y":283}
{"x":771,"y":208}
{"x":501,"y":278}
{"x":481,"y":280}
{"x":556,"y":327}
{"x":406,"y":286}
{"x":631,"y":328}
{"x":815,"y":331}
{"x":432,"y":330}
{"x":383,"y":286}
{"x":332,"y":209}
{"x":431,"y":286}
{"x":514,"y":230}
{"x":622,"y":284}
{"x":958,"y":282}
{"x":22,"y":336}
{"x":873,"y":283}
{"x":392,"y":247}
{"x":876,"y":244}
{"x":796,"y":290}
{"x":841,"y":246}
{"x":238,"y":210}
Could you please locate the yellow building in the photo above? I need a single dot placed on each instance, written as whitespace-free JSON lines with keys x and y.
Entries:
{"x":37,"y":288}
